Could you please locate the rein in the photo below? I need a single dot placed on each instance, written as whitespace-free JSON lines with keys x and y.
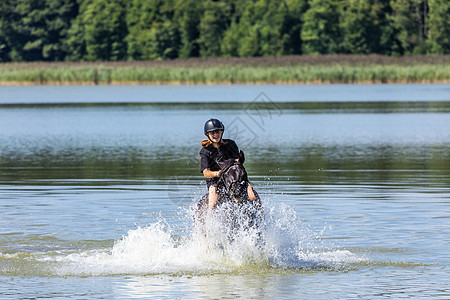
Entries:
{"x":228,"y":167}
{"x":222,"y":178}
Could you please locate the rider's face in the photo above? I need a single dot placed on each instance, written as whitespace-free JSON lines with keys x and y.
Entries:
{"x":215,"y":136}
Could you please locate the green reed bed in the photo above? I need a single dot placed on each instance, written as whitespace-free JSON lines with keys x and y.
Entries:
{"x":220,"y":74}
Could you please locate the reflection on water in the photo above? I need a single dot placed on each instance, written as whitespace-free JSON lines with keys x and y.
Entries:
{"x":211,"y":287}
{"x":141,"y":142}
{"x":367,"y":180}
{"x":223,"y":93}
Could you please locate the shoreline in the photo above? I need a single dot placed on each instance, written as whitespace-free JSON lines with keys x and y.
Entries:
{"x":138,"y":83}
{"x":265,"y":61}
{"x":326,"y":69}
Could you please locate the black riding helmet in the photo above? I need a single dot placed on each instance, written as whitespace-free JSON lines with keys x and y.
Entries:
{"x":213,"y":124}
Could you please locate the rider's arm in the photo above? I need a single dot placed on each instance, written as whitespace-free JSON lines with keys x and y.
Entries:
{"x":211,"y":174}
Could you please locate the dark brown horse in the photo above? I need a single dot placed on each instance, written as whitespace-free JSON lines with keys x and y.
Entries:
{"x":238,"y":211}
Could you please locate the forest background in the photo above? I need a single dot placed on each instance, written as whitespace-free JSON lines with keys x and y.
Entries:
{"x":111,"y":30}
{"x":163,"y":30}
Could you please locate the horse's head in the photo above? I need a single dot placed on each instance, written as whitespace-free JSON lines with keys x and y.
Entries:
{"x":234,"y":177}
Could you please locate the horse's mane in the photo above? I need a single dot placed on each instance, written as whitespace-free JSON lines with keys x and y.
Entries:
{"x":226,"y":164}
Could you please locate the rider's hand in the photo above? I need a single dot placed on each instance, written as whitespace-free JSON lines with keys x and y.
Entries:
{"x":218,"y":173}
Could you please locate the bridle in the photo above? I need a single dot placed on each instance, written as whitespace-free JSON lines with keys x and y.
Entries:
{"x":227,"y":184}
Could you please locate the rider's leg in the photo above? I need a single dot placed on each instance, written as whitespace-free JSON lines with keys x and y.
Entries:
{"x":212,"y":197}
{"x":251,"y":195}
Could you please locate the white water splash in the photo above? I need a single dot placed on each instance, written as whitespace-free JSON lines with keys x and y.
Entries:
{"x":154,"y":249}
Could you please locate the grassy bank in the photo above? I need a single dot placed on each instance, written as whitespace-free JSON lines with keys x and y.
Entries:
{"x":287,"y":69}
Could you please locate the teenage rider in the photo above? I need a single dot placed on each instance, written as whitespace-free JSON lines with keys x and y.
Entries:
{"x":215,"y":148}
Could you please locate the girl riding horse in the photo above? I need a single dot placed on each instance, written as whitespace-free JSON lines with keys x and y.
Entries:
{"x":215,"y":151}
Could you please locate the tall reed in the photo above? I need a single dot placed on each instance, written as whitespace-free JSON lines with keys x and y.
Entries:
{"x":106,"y":73}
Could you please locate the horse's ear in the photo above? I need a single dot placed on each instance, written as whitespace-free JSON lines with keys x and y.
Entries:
{"x":241,"y":157}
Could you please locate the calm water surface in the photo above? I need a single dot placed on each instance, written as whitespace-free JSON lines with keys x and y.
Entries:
{"x":96,"y":185}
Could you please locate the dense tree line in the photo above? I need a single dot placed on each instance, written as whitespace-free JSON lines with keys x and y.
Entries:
{"x":73,"y":30}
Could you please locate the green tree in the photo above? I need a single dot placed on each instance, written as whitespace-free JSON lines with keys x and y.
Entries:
{"x":164,"y":41}
{"x":230,"y":42}
{"x":60,"y":15}
{"x":320,"y":31}
{"x":152,"y":31}
{"x":212,"y":26}
{"x":272,"y":35}
{"x":249,"y":29}
{"x":409,"y":23}
{"x":389,"y":43}
{"x":263,"y":28}
{"x":34,"y":30}
{"x":75,"y":44}
{"x":250,"y":42}
{"x":439,"y":27}
{"x":140,"y":17}
{"x":101,"y":26}
{"x":188,"y":14}
{"x":292,"y":26}
{"x":360,"y":27}
{"x":241,"y":36}
{"x":6,"y":8}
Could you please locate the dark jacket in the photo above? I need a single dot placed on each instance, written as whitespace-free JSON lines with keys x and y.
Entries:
{"x":210,"y":155}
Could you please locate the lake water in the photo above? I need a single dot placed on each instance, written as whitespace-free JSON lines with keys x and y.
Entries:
{"x":96,"y":185}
